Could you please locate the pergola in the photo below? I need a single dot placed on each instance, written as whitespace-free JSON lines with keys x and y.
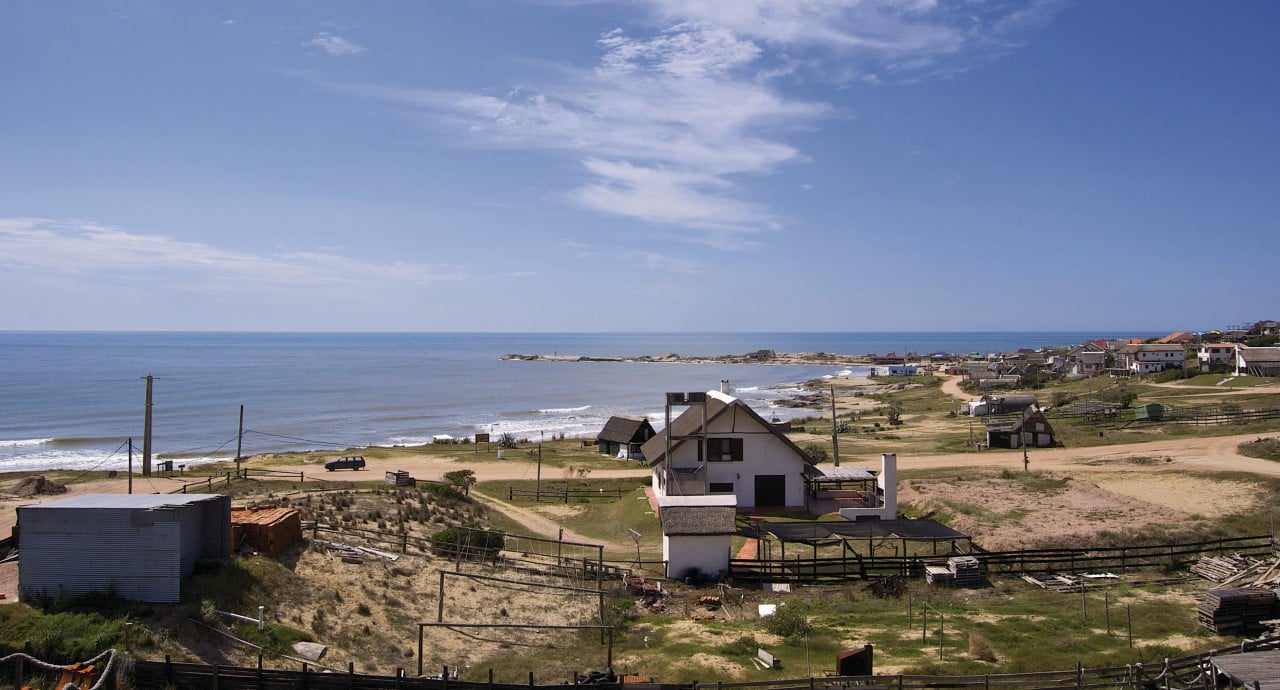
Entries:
{"x":829,"y":533}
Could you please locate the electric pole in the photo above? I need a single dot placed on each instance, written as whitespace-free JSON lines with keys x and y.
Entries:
{"x":130,"y":464}
{"x":835,"y":439}
{"x":146,"y":432}
{"x":239,"y":440}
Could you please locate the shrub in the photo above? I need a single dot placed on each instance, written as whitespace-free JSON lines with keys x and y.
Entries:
{"x":817,"y":452}
{"x":470,"y":540}
{"x":506,"y":440}
{"x":787,"y":622}
{"x":980,"y":648}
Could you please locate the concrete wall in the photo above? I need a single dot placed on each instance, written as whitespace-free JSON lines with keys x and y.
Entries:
{"x":887,"y":481}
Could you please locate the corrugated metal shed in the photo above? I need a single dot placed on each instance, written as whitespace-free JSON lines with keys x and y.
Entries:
{"x":139,"y":545}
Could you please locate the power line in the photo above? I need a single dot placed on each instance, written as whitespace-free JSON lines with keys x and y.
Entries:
{"x":304,"y":440}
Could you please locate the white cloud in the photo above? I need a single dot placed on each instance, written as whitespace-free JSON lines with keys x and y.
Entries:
{"x":334,"y":45}
{"x":667,"y":124}
{"x":89,"y":251}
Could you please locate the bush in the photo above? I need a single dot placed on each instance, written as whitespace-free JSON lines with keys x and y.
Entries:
{"x":787,"y":622}
{"x":817,"y":452}
{"x":980,"y":648}
{"x":507,"y":441}
{"x":471,"y":540}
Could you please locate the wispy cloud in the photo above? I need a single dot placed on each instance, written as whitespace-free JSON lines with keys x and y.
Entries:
{"x":334,"y":45}
{"x":85,"y":249}
{"x":669,"y":123}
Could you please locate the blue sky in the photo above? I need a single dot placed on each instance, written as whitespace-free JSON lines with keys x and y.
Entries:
{"x":652,"y":165}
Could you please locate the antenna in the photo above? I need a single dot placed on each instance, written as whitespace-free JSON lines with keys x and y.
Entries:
{"x":635,"y":536}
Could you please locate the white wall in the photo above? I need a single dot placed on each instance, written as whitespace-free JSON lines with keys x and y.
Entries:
{"x":708,"y":553}
{"x":887,"y":480}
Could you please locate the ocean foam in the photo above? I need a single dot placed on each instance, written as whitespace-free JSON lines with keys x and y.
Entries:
{"x":563,"y":410}
{"x":26,"y":442}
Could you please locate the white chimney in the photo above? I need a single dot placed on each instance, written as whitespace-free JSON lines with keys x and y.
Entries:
{"x":724,"y":386}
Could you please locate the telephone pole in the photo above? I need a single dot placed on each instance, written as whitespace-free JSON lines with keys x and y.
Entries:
{"x":239,"y":440}
{"x":146,"y":432}
{"x":130,"y":464}
{"x":835,"y":439}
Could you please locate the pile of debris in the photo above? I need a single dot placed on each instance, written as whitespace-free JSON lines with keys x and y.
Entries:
{"x":650,"y":593}
{"x":1237,"y":569}
{"x":1236,"y":611}
{"x":1063,"y":583}
{"x":38,"y":486}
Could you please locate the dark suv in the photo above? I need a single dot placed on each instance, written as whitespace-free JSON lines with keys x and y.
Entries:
{"x":350,"y":462}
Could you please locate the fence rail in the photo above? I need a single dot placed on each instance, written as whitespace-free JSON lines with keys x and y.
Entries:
{"x":1188,"y":672}
{"x":855,"y":566}
{"x":566,"y":494}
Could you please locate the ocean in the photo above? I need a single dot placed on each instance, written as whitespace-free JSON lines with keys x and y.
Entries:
{"x":71,"y":400}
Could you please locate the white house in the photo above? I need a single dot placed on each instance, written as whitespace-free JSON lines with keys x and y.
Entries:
{"x":1150,"y":358}
{"x":720,"y":446}
{"x":697,"y":534}
{"x":1217,"y":355}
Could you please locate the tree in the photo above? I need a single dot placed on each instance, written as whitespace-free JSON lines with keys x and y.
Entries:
{"x":462,"y":479}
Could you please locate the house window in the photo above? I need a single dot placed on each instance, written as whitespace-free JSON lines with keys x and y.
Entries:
{"x":721,"y":488}
{"x":724,"y":450}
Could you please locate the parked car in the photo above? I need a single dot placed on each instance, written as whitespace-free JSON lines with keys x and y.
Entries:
{"x":350,"y":462}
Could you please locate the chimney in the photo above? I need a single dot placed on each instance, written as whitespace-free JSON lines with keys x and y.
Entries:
{"x":724,"y":386}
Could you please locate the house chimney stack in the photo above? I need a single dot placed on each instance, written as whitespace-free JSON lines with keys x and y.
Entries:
{"x":724,"y":386}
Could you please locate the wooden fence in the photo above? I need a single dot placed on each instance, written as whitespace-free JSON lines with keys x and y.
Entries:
{"x":855,"y":566}
{"x":207,"y":483}
{"x":565,"y":494}
{"x":1188,"y":672}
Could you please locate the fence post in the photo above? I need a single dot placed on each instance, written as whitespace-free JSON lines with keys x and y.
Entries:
{"x":168,"y":671}
{"x":259,"y":672}
{"x":351,"y":675}
{"x":215,"y":677}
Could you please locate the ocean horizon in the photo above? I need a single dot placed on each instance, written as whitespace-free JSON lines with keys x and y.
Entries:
{"x":74,"y":398}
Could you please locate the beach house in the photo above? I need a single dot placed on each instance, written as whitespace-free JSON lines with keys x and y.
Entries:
{"x":716,"y":444}
{"x":623,"y":436}
{"x":1152,"y":358}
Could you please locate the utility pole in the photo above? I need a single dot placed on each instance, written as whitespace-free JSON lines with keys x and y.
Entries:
{"x":146,"y":432}
{"x":130,"y":464}
{"x":239,"y":441}
{"x":835,"y":439}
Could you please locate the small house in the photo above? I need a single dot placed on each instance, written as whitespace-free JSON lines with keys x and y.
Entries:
{"x":1031,"y":429}
{"x":139,"y":546}
{"x":623,"y":436}
{"x":1151,"y":358}
{"x":697,"y":534}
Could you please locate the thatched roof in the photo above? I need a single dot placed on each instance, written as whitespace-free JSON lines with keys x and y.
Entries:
{"x":626,"y":429}
{"x":698,"y":520}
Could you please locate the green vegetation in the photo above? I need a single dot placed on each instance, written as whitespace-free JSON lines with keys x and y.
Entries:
{"x":1265,"y":448}
{"x":469,"y":540}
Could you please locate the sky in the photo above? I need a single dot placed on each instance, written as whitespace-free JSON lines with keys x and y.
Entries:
{"x":639,"y":165}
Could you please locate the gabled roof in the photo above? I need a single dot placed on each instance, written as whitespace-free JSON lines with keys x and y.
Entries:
{"x":689,"y":423}
{"x":1178,"y":337}
{"x":626,"y":429}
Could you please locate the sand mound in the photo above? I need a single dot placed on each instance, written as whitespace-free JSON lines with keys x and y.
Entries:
{"x":32,"y":486}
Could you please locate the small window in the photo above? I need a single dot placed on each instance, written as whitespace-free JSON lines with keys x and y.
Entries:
{"x":724,"y":450}
{"x":721,"y":488}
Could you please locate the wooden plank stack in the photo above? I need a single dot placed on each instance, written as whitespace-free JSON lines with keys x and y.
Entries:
{"x":1235,"y":611}
{"x":967,"y":570}
{"x":939,"y":575}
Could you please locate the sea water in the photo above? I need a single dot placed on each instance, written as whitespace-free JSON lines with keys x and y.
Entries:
{"x":72,"y":400}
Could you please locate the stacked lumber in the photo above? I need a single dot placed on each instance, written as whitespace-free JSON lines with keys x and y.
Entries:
{"x":1225,"y":569}
{"x":1235,"y":611}
{"x":967,"y":570}
{"x":939,"y":575}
